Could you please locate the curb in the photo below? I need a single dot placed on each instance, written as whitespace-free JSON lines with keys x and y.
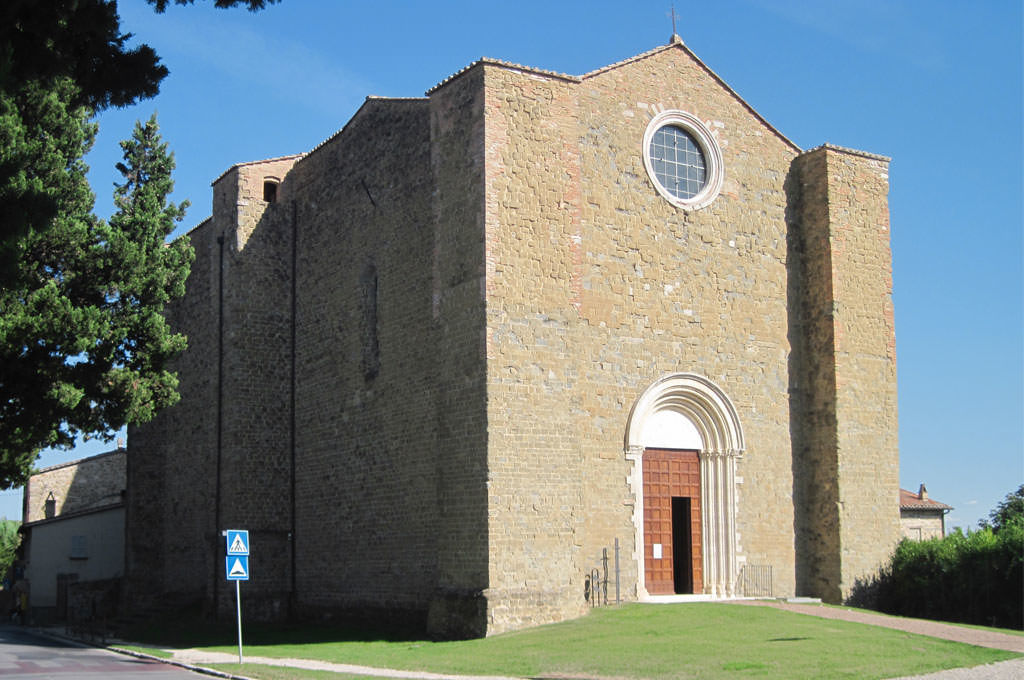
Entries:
{"x":130,"y":652}
{"x":180,"y":664}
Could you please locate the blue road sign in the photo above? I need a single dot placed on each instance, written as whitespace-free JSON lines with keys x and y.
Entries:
{"x":236,"y":567}
{"x":238,"y":541}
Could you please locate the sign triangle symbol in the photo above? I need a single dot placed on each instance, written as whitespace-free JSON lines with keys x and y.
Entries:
{"x":238,"y":545}
{"x":237,"y":569}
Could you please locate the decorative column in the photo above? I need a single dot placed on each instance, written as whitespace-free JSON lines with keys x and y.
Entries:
{"x":718,"y":521}
{"x":634,"y":454}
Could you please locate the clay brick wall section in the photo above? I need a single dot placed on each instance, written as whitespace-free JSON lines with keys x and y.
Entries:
{"x":848,"y":372}
{"x":77,"y":485}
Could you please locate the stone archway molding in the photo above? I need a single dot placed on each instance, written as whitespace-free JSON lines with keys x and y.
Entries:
{"x":714,"y":417}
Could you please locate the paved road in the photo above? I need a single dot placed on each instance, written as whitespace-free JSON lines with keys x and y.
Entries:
{"x":32,"y":657}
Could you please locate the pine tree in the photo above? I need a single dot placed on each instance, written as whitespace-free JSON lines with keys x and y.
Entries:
{"x":73,"y":50}
{"x":84,"y":345}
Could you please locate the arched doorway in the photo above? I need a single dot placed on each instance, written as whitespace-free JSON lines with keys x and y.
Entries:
{"x":684,"y":438}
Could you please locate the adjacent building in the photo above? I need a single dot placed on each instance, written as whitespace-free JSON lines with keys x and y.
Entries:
{"x":73,"y":537}
{"x":921,"y":517}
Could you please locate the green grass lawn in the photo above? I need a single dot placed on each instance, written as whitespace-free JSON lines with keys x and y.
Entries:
{"x":700,"y":640}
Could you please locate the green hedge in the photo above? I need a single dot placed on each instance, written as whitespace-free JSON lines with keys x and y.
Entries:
{"x":968,"y":578}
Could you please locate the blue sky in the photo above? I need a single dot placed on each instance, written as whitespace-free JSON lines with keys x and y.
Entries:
{"x":936,"y":85}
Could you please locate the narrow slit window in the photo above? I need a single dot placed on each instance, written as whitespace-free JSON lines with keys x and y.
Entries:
{"x":371,"y":342}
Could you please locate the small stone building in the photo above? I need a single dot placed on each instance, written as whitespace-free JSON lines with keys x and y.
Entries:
{"x":444,"y":360}
{"x":921,"y":517}
{"x":73,"y":532}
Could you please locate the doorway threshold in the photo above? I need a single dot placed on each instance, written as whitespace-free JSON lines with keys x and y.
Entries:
{"x":677,"y":599}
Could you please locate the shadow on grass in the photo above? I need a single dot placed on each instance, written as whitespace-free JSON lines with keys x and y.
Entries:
{"x":657,"y":642}
{"x":191,"y":628}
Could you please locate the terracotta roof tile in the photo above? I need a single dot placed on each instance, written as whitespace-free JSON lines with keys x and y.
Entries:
{"x":909,"y":500}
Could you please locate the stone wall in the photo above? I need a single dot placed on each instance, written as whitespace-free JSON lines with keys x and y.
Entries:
{"x":535,"y":462}
{"x":254,"y":450}
{"x":78,"y":485}
{"x":667,"y":290}
{"x":847,"y":502}
{"x":218,"y":459}
{"x":921,"y":525}
{"x":366,"y":398}
{"x":457,"y":134}
{"x":597,"y":287}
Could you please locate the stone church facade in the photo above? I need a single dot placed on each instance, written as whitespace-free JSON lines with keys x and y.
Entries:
{"x":441,"y":362}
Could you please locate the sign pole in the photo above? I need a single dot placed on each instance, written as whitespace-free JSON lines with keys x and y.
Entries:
{"x":238,"y":602}
{"x":236,"y":568}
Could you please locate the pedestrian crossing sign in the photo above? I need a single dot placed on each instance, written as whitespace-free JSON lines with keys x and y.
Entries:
{"x":236,"y":567}
{"x":238,"y":541}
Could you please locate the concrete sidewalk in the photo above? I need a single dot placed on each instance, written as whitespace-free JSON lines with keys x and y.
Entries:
{"x":196,"y":658}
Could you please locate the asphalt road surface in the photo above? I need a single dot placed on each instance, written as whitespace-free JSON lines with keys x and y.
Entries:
{"x":24,"y":655}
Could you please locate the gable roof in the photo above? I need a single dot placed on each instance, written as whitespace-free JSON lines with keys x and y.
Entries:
{"x":248,"y":163}
{"x":675,"y":43}
{"x":910,"y":500}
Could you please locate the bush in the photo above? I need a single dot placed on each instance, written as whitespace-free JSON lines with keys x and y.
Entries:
{"x":976,"y":577}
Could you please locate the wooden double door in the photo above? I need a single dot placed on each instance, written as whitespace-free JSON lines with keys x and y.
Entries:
{"x":673,"y":555}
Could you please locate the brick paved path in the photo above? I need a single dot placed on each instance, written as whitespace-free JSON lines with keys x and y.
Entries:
{"x":945,"y":631}
{"x":1004,"y":670}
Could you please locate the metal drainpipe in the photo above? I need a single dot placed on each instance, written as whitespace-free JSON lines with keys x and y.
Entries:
{"x":292,"y":533}
{"x":215,"y":547}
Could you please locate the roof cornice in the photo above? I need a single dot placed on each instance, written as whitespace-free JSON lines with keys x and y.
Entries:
{"x":675,"y":43}
{"x":488,"y":61}
{"x":852,"y":152}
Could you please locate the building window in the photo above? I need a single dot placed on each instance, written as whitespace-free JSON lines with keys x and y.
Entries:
{"x":683,"y":159}
{"x":678,"y":162}
{"x":270,"y":189}
{"x":78,"y":548}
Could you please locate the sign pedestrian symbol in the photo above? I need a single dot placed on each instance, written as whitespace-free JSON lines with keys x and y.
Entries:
{"x":238,"y":541}
{"x":237,"y":567}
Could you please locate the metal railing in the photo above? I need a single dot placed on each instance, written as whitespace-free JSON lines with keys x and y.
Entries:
{"x":756,"y":580}
{"x":595,"y":583}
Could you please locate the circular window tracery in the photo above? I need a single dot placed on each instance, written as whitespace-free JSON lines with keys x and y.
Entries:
{"x":683,"y":159}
